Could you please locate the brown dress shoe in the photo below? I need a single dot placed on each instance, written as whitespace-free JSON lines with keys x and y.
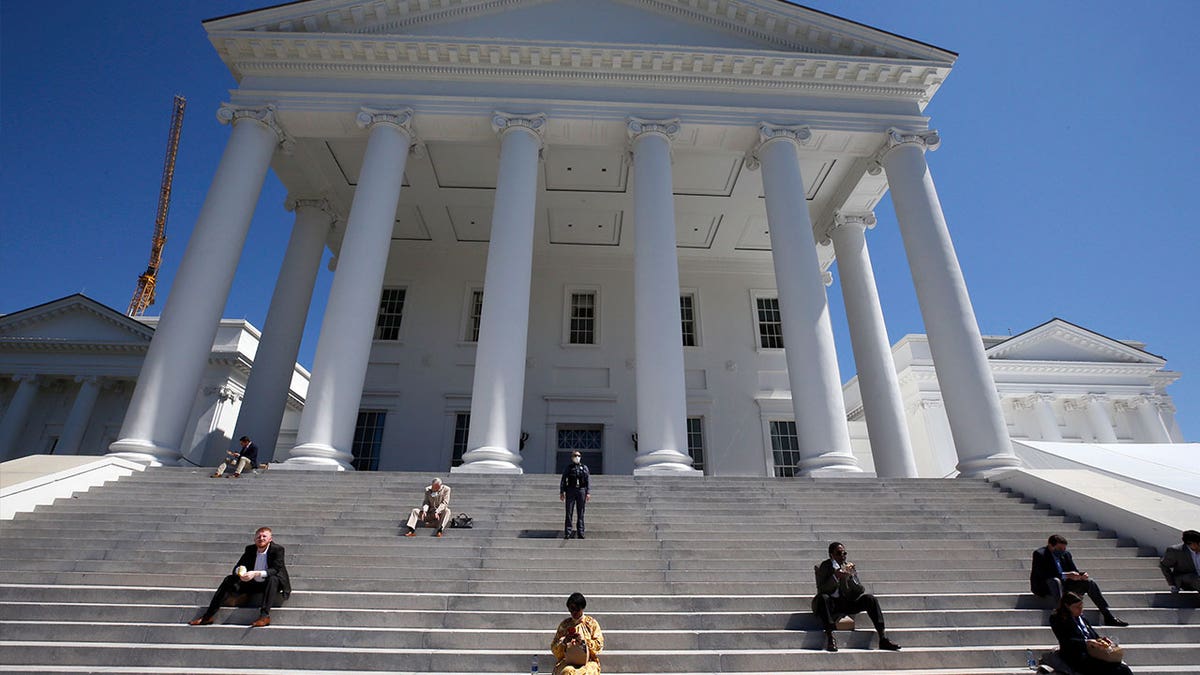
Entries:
{"x":236,"y":475}
{"x":215,"y":475}
{"x":262,"y":621}
{"x":410,"y":533}
{"x":438,"y":533}
{"x":202,"y":621}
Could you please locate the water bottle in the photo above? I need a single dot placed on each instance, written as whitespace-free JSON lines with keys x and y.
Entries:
{"x":533,"y":666}
{"x":1029,"y":660}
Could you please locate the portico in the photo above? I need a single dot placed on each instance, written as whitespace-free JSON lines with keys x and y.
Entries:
{"x":643,"y":230}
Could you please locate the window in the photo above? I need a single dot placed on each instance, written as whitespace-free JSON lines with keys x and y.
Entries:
{"x":391,"y":310}
{"x":588,"y":439}
{"x":695,"y":441}
{"x":785,"y":447}
{"x":368,"y":439}
{"x":474,"y":312}
{"x":462,"y":428}
{"x":769,"y":322}
{"x":582,"y":329}
{"x":687,"y":314}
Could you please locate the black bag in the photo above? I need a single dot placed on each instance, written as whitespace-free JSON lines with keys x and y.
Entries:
{"x":461,"y":520}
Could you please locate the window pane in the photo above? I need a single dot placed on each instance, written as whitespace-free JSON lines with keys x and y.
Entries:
{"x":368,"y":439}
{"x":786,"y":448}
{"x":462,"y":427}
{"x":695,"y":441}
{"x":687,"y":313}
{"x":473,"y":318}
{"x":583,"y":319}
{"x":770,"y":323}
{"x":391,"y":310}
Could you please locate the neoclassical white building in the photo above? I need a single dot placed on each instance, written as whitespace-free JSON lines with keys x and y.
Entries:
{"x":68,"y":369}
{"x":603,"y":225}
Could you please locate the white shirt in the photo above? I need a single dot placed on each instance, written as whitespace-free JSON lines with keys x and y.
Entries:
{"x":260,"y":563}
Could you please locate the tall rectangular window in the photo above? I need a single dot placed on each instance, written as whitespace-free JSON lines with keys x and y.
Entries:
{"x":695,"y":441}
{"x":582,"y":330}
{"x":770,"y":323}
{"x":391,"y":311}
{"x":462,"y":428}
{"x":687,"y":314}
{"x":368,"y":439}
{"x":785,"y":447}
{"x":474,"y":313}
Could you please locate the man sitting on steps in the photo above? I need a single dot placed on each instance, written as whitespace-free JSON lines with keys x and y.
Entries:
{"x":247,"y":456}
{"x":260,"y":570}
{"x":1053,"y":572}
{"x":839,"y":593}
{"x":435,"y":510}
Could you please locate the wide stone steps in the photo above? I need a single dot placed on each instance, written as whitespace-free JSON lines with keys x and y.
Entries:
{"x":686,"y":576}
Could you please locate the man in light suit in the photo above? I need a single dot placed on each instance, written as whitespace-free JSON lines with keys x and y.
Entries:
{"x":1053,"y":572}
{"x":1180,"y":562}
{"x":260,"y":570}
{"x":434,"y":511}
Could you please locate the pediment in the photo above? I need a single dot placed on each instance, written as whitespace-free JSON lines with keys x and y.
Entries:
{"x":1058,"y":340}
{"x":763,"y":25}
{"x":73,"y":319}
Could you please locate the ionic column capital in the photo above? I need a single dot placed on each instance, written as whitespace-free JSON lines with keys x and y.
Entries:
{"x":27,"y":377}
{"x":224,"y":392}
{"x":1085,"y":401}
{"x":863,"y":220}
{"x":400,"y":118}
{"x":88,"y":379}
{"x":231,"y":113}
{"x":928,"y":139}
{"x":799,"y":134}
{"x":534,"y":123}
{"x":294,"y":204}
{"x":636,"y":127}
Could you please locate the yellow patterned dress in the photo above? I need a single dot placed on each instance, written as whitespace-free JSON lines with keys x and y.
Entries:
{"x":589,"y":631}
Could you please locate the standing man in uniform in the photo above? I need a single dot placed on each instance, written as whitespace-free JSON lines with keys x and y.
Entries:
{"x":573,"y":489}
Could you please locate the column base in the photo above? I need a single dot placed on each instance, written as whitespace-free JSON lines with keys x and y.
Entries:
{"x":833,"y":464}
{"x":664,"y":462}
{"x":986,"y":467}
{"x":144,"y":452}
{"x":489,"y":459}
{"x":317,"y":456}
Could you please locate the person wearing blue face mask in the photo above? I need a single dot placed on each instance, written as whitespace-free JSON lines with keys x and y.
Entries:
{"x":573,"y":490}
{"x":1053,"y":572}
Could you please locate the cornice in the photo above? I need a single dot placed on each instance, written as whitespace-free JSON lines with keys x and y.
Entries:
{"x":109,"y":316}
{"x":293,"y":55}
{"x":1060,"y":332}
{"x":42,"y":344}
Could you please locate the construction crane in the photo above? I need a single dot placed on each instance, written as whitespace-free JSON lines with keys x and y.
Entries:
{"x":143,"y":297}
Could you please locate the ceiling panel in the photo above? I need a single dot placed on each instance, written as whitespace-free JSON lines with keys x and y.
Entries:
{"x":705,"y":173}
{"x":464,"y":165}
{"x":588,"y":227}
{"x":470,"y":223}
{"x":755,"y":236}
{"x":410,"y":224}
{"x":589,"y":169}
{"x":695,"y":230}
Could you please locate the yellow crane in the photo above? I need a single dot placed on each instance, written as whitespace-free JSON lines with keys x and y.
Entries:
{"x":143,"y":297}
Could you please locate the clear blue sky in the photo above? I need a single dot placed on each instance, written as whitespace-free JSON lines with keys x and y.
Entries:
{"x":1070,"y":136}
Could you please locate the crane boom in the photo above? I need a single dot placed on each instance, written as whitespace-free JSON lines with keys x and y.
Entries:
{"x":143,"y":297}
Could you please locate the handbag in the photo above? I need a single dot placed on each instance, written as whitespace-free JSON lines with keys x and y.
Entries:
{"x":1105,"y":650}
{"x":577,"y":654}
{"x":461,"y":520}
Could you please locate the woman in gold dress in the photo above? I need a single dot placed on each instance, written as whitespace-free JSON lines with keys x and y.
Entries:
{"x":577,"y":629}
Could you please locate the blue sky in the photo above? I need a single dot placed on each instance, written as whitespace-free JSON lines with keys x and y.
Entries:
{"x":1069,"y":137}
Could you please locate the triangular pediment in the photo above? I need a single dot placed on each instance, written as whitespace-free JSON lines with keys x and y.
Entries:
{"x":764,"y":25}
{"x":1058,"y":340}
{"x":73,"y":319}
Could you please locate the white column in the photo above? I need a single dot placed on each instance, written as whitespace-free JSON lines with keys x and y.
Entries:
{"x":158,"y":412}
{"x":1099,"y":421}
{"x":498,"y":392}
{"x":77,"y":420}
{"x":1152,"y":423}
{"x":968,"y":389}
{"x":270,"y":379}
{"x":891,"y":444}
{"x":344,"y":347}
{"x":808,"y":343}
{"x":16,"y":414}
{"x":1043,"y":409}
{"x":658,"y":335}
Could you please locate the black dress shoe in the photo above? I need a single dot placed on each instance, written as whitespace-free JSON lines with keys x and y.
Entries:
{"x":580,"y":535}
{"x":830,"y":643}
{"x":566,"y":535}
{"x":1110,"y":620}
{"x":887,"y":644}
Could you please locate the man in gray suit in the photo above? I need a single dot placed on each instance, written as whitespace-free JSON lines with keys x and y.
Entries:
{"x":1180,"y":562}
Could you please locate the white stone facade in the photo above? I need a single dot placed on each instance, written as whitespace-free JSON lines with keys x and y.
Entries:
{"x":1058,"y":382}
{"x":68,"y":368}
{"x":585,"y":164}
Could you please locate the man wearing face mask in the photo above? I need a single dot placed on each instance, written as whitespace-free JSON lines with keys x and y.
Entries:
{"x":573,"y":489}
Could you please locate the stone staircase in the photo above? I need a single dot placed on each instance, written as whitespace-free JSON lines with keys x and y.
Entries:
{"x":685,"y":576}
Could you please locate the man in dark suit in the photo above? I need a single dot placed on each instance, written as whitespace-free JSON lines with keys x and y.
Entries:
{"x":260,"y":570}
{"x":573,"y":489}
{"x":1053,"y":572}
{"x":839,"y":593}
{"x":247,"y":456}
{"x":1180,"y":562}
